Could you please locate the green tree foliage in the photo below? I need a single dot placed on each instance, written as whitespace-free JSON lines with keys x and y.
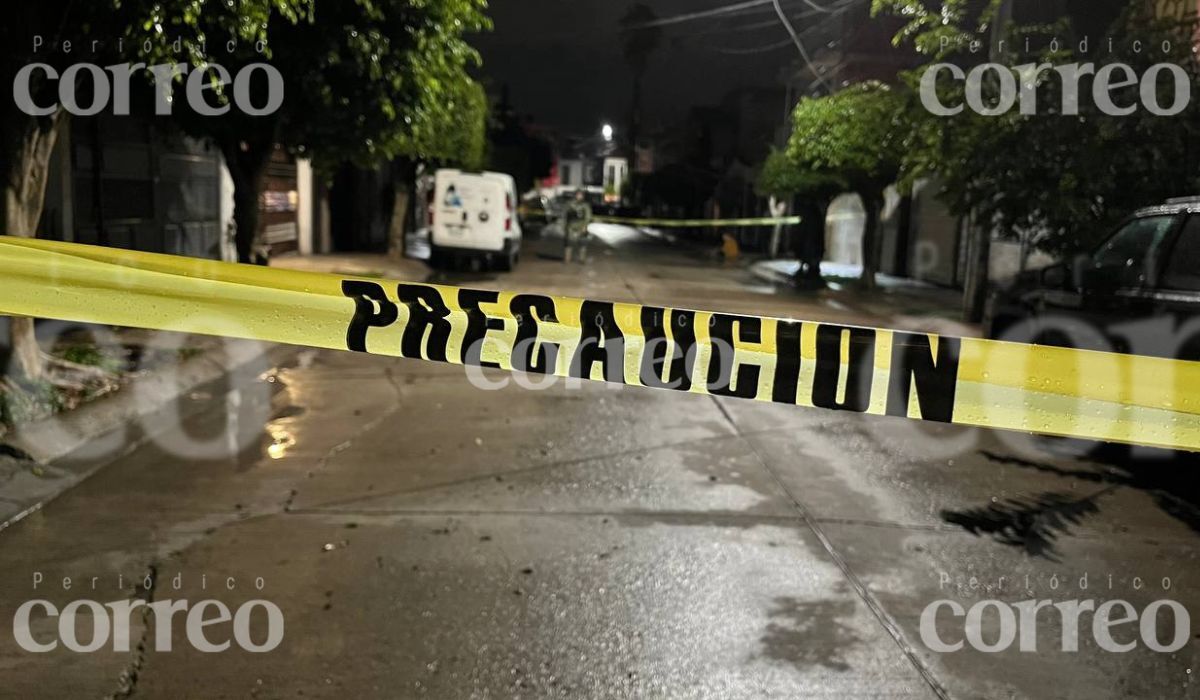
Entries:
{"x":463,"y":139}
{"x":366,"y":81}
{"x":1059,"y":181}
{"x":932,"y":26}
{"x":809,"y":192}
{"x":856,"y":136}
{"x":783,"y":178}
{"x":102,"y":32}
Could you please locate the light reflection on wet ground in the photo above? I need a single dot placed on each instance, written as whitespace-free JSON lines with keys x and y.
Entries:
{"x":426,"y":537}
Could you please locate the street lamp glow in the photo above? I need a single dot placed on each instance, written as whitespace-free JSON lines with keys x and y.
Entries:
{"x":607,"y":132}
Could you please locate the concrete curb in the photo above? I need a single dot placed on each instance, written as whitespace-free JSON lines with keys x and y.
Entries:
{"x":24,"y":490}
{"x":769,"y":271}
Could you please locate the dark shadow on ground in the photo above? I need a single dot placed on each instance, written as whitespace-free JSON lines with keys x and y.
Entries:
{"x":1032,"y":523}
{"x":1170,"y":477}
{"x":810,"y":633}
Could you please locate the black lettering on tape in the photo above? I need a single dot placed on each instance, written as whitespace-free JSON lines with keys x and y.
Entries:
{"x":426,"y":310}
{"x":372,"y":309}
{"x":787,"y":361}
{"x":529,"y":355}
{"x":723,"y":358}
{"x":682,"y":358}
{"x":601,"y":341}
{"x":478,"y":324}
{"x":859,"y":368}
{"x":936,"y":379}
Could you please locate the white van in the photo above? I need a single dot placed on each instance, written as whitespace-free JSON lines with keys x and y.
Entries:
{"x":474,"y":215}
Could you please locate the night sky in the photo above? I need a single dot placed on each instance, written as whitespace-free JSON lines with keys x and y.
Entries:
{"x":563,"y":62}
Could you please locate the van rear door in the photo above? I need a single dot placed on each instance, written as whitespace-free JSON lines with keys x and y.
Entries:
{"x":469,"y":212}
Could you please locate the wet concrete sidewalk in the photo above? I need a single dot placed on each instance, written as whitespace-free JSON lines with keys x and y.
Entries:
{"x":426,"y":537}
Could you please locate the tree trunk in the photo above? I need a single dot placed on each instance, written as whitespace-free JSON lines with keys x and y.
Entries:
{"x":809,"y":242}
{"x":25,"y":164}
{"x":978,"y":256}
{"x":777,"y":209}
{"x":399,"y":223}
{"x":904,"y":231}
{"x":872,"y":203}
{"x":246,"y":162}
{"x":404,"y":177}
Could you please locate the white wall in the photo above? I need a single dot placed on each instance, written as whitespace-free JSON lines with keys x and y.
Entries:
{"x":574,"y":176}
{"x":615,"y":172}
{"x":304,"y":187}
{"x":935,"y":232}
{"x":844,"y":229}
{"x":1004,"y":260}
{"x":225,"y":221}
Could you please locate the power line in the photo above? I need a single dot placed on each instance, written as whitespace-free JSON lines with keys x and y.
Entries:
{"x":806,"y":32}
{"x":704,"y":14}
{"x":809,"y":30}
{"x":753,"y":26}
{"x":724,"y":10}
{"x":758,"y":49}
{"x":828,"y":10}
{"x":799,"y":44}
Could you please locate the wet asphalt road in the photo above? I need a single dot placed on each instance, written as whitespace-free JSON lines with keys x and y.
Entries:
{"x":427,"y":538}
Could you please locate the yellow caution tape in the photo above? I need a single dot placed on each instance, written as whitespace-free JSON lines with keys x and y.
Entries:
{"x":693,"y":223}
{"x":966,"y":381}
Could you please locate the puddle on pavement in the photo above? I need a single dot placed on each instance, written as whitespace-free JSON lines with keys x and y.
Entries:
{"x":807,"y":633}
{"x":281,"y":441}
{"x":258,"y":426}
{"x":279,"y":434}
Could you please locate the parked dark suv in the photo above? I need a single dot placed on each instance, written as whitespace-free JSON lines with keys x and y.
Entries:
{"x":1138,"y":292}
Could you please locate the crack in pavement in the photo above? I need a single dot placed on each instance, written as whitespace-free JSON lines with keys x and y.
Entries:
{"x":731,"y":516}
{"x":519,"y":472}
{"x":128,"y":680}
{"x":719,"y":515}
{"x":333,"y":507}
{"x":885,"y":620}
{"x":345,"y":445}
{"x":889,"y":624}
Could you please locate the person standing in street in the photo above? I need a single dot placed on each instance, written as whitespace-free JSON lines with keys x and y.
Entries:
{"x":579,"y":217}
